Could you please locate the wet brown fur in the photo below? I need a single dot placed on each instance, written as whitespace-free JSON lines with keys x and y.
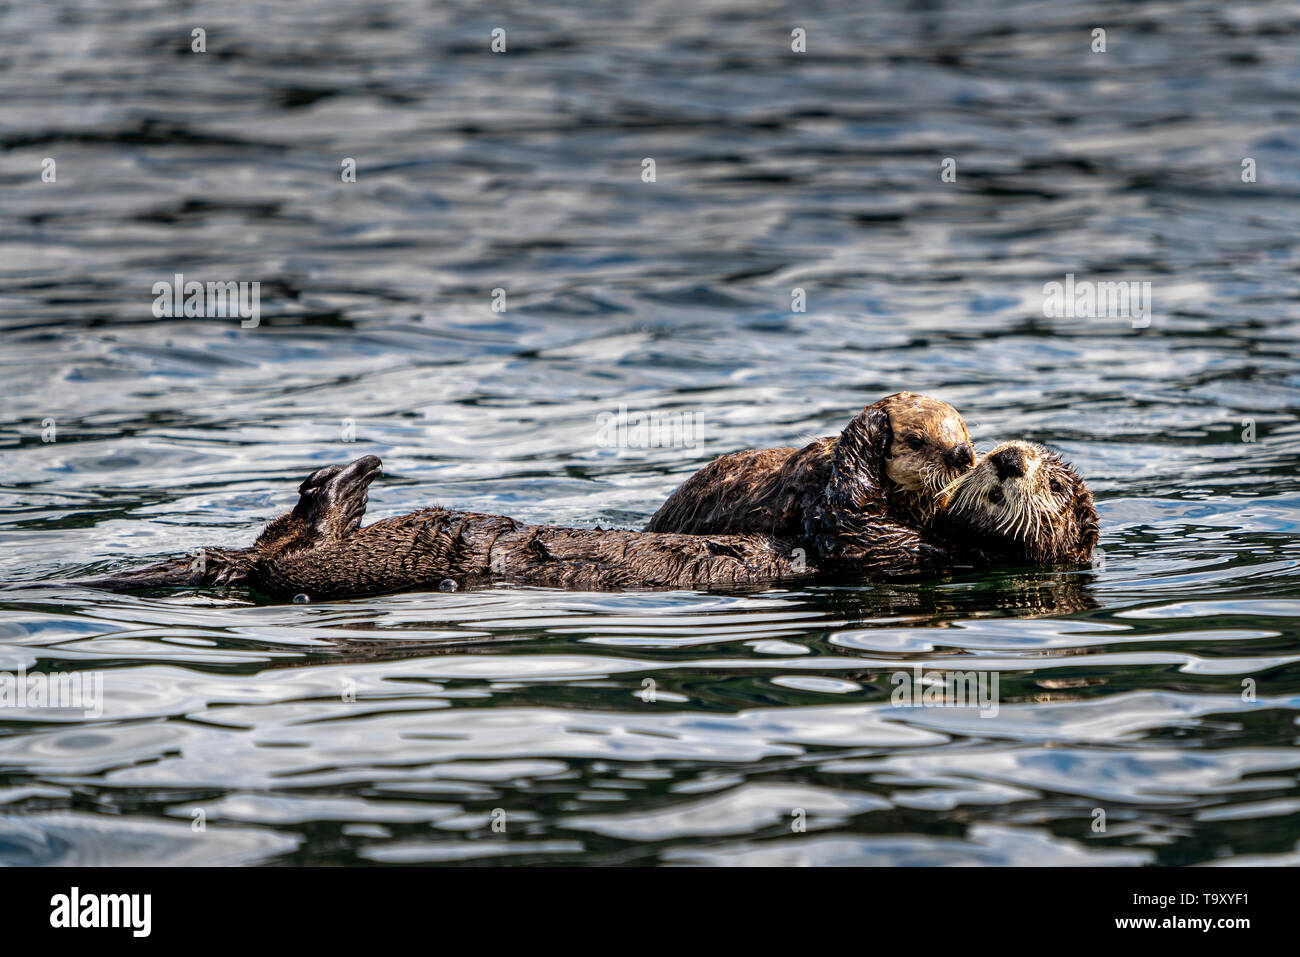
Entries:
{"x":876,"y":483}
{"x":433,"y":546}
{"x":318,"y":549}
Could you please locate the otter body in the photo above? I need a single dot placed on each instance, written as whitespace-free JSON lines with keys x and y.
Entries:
{"x":875,"y":483}
{"x":318,"y":549}
{"x":431,"y":547}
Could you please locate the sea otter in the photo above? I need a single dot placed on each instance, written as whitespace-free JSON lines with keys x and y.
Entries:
{"x":1024,"y":505}
{"x":876,"y":481}
{"x":1023,"y":502}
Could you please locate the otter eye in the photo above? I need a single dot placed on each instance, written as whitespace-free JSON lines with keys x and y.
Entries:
{"x":915,"y":441}
{"x":1056,"y":486}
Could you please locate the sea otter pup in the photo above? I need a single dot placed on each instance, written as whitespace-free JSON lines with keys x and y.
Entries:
{"x":877,"y":481}
{"x":1023,"y":502}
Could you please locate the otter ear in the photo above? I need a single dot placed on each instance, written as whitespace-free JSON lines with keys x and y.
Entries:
{"x":319,"y":505}
{"x":859,"y":457}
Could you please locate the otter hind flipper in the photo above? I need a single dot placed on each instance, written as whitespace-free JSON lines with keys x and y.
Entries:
{"x":331,"y":503}
{"x":334,"y":507}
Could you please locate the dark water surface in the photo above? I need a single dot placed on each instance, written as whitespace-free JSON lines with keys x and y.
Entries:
{"x":1122,"y":689}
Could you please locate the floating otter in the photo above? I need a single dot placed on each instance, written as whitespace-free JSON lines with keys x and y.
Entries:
{"x":1024,"y":505}
{"x":875,"y":483}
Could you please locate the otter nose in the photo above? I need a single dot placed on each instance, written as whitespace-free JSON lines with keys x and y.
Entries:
{"x":1009,"y":463}
{"x":959,"y":457}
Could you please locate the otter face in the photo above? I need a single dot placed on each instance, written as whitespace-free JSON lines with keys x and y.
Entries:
{"x":930,"y":446}
{"x":1029,"y":501}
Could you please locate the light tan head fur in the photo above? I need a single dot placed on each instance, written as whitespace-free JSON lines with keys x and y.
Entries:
{"x":929,"y":448}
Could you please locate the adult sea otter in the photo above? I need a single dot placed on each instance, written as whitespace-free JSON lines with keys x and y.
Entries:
{"x":876,"y":482}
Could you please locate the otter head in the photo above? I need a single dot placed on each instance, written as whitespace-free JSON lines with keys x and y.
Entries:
{"x":331,"y":503}
{"x":927,"y":447}
{"x":897,"y":455}
{"x":1028,"y":502}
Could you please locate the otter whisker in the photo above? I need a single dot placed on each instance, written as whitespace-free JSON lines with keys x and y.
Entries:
{"x":943,"y":495}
